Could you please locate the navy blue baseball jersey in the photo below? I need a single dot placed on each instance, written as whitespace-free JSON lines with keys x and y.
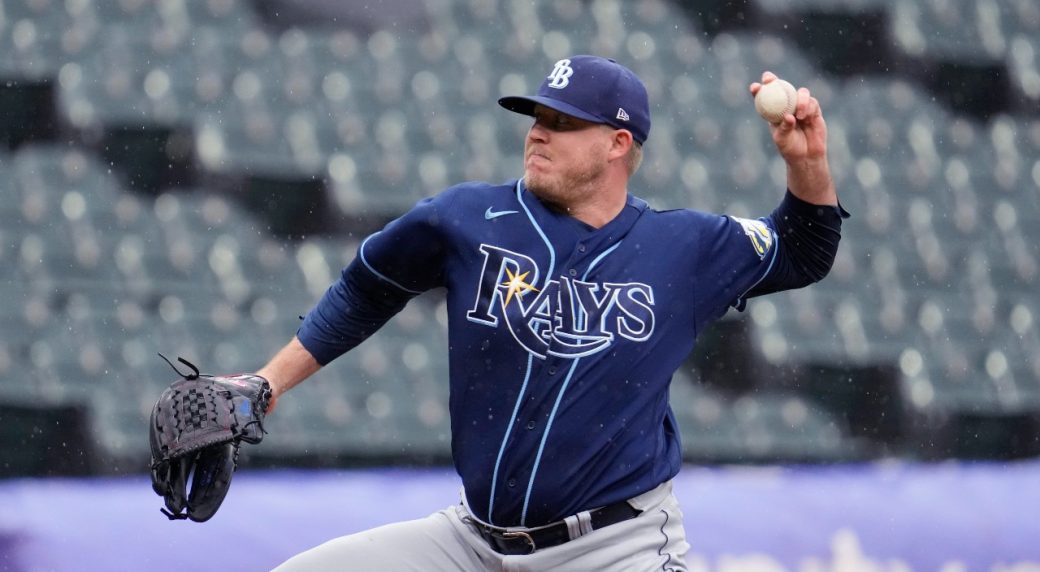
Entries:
{"x":563,"y":338}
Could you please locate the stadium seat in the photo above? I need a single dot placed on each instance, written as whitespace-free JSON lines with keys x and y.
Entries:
{"x":1022,"y":334}
{"x":961,"y":30}
{"x":38,"y":39}
{"x":938,"y":261}
{"x":369,"y":403}
{"x":246,"y":141}
{"x":803,"y":326}
{"x":963,"y":384}
{"x":1024,"y":64}
{"x":787,"y":426}
{"x":383,"y":187}
{"x":706,"y":422}
{"x":222,"y":15}
{"x":852,"y":6}
{"x":755,"y":428}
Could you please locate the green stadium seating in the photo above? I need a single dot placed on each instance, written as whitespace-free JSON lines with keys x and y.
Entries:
{"x":937,"y":274}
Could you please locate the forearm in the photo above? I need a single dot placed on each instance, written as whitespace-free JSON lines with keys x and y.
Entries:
{"x":810,"y":180}
{"x":291,"y":365}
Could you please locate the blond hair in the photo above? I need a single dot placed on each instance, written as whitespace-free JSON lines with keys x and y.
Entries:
{"x":634,"y":158}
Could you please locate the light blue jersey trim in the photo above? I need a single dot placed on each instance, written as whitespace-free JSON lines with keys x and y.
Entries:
{"x":527,"y":375}
{"x":599,"y":258}
{"x":505,"y":438}
{"x":596,"y":261}
{"x":545,"y":239}
{"x":530,"y":358}
{"x":361,"y":253}
{"x":772,"y":260}
{"x":559,"y":398}
{"x":545,"y":437}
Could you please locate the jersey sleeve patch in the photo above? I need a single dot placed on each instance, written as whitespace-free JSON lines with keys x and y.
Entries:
{"x":760,"y":235}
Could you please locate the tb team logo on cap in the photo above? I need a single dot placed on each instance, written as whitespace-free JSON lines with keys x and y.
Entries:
{"x":592,"y":88}
{"x":561,"y":74}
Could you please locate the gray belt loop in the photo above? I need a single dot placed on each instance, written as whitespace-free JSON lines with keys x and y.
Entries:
{"x":579,"y":525}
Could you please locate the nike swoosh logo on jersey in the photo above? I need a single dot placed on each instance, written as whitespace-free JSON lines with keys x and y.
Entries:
{"x":490,"y":214}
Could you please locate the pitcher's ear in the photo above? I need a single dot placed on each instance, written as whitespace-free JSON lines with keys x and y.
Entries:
{"x":621,"y":142}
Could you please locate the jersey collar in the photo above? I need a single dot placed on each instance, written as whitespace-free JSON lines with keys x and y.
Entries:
{"x":634,"y":208}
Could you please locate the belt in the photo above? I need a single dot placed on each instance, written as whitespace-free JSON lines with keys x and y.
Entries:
{"x":514,"y":542}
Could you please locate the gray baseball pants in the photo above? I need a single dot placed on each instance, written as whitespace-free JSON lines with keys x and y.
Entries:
{"x":447,"y":541}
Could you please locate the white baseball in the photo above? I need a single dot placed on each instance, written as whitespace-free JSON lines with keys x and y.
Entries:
{"x":775,"y":100}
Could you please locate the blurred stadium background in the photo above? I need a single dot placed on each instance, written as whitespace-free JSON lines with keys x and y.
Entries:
{"x":188,"y":176}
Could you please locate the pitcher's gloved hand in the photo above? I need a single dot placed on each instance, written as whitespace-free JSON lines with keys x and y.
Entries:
{"x":197,"y":426}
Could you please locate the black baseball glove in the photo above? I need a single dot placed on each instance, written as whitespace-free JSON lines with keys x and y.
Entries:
{"x":196,"y":428}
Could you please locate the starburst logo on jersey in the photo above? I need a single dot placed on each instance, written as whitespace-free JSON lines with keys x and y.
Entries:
{"x":758,"y":233}
{"x":565,"y":317}
{"x":516,"y":285}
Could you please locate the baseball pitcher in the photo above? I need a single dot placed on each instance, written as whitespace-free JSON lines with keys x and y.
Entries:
{"x":571,"y":303}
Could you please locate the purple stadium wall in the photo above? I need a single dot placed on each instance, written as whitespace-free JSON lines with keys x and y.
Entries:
{"x":898,"y":517}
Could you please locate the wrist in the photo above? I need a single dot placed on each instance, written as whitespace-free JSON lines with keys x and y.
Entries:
{"x":810,"y":180}
{"x":271,"y":379}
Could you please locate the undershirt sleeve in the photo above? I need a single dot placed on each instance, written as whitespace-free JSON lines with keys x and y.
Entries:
{"x":807,"y":242}
{"x":392,"y":266}
{"x":351,"y":310}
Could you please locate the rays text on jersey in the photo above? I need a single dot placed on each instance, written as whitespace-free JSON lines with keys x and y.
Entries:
{"x":565,"y":317}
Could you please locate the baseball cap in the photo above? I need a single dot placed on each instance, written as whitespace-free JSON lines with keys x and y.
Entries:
{"x":592,"y":88}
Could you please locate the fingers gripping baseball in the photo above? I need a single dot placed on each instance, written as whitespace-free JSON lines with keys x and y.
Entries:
{"x":801,"y":135}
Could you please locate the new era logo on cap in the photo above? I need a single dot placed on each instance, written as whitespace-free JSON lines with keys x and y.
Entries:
{"x":594,"y":89}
